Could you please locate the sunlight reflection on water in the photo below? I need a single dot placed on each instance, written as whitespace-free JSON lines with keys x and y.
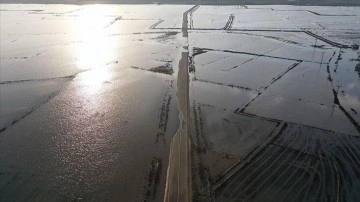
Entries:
{"x":95,"y":48}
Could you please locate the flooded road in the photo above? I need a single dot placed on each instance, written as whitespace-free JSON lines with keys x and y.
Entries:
{"x":179,"y":103}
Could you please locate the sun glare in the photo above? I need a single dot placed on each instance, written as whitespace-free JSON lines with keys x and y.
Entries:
{"x":95,"y":48}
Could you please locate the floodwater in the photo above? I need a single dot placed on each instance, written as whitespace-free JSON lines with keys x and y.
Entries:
{"x":84,"y":113}
{"x":274,"y":103}
{"x":245,"y":102}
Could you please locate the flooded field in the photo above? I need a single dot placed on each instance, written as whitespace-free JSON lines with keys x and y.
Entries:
{"x":179,"y":103}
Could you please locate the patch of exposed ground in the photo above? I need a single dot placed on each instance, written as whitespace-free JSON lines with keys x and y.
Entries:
{"x":230,"y":22}
{"x":166,"y":69}
{"x":164,"y":115}
{"x":357,"y":69}
{"x":165,"y":37}
{"x":152,"y":179}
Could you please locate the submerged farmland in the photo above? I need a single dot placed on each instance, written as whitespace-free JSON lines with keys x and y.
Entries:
{"x":179,"y":103}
